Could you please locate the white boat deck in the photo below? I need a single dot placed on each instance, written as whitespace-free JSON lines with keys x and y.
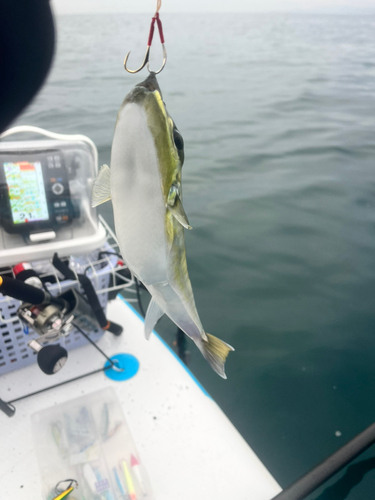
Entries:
{"x":188,"y":446}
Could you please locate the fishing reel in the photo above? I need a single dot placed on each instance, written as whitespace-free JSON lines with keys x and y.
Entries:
{"x":51,"y":318}
{"x":50,"y":322}
{"x":55,"y":317}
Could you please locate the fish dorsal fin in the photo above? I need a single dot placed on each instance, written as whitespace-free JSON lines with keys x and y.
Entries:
{"x":153,"y":314}
{"x":101,"y":189}
{"x":179,"y":214}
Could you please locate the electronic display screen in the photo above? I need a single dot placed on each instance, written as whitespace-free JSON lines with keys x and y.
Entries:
{"x":27,"y":194}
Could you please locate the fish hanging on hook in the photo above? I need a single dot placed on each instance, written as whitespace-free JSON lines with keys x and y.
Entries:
{"x":156,"y":19}
{"x":145,"y":185}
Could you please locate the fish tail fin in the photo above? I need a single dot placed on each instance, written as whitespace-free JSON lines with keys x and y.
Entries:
{"x":215,"y":351}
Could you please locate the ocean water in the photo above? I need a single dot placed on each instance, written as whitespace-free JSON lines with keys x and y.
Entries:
{"x":278,"y":116}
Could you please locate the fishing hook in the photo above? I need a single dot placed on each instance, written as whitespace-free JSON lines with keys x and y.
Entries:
{"x":164,"y":61}
{"x":145,"y":61}
{"x":147,"y":56}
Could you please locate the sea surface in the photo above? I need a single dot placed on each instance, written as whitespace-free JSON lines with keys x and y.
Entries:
{"x":278,"y":116}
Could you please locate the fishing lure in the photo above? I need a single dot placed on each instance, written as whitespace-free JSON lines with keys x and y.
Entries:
{"x":67,"y":491}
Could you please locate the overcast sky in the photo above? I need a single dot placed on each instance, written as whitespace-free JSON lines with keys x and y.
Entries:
{"x":330,"y":6}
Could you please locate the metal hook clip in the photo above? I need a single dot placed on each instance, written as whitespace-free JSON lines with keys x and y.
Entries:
{"x":147,"y":56}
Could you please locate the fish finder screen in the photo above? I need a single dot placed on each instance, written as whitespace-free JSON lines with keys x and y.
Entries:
{"x":26,"y":191}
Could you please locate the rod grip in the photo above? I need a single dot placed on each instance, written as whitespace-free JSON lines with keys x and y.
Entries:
{"x":114,"y":328}
{"x":21,"y":291}
{"x":7,"y":408}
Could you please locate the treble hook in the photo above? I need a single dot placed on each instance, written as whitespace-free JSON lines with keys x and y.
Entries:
{"x":147,"y":56}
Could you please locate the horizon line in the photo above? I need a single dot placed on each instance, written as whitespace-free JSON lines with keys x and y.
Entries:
{"x":328,"y":11}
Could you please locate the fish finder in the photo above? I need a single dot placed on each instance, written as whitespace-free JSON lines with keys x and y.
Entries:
{"x":35,"y":194}
{"x":45,"y":195}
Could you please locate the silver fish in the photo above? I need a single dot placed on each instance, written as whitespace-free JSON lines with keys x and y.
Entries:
{"x":144,"y":183}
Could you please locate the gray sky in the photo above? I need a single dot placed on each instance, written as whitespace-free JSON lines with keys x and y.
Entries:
{"x":329,"y":6}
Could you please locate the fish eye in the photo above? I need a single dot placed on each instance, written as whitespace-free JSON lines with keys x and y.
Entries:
{"x":178,"y":140}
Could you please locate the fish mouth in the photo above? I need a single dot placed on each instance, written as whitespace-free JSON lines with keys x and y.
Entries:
{"x":151,"y":83}
{"x":142,"y":90}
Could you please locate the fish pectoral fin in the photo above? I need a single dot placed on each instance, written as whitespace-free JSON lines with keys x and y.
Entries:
{"x":178,"y":213}
{"x":101,"y":189}
{"x":215,"y":351}
{"x":153,"y":314}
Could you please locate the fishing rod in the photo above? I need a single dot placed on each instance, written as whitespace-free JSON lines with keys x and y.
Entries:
{"x":311,"y":481}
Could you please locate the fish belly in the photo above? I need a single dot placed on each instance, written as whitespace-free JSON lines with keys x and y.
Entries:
{"x":138,"y":204}
{"x":174,"y":307}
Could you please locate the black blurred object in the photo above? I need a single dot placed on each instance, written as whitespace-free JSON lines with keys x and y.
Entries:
{"x":181,"y":344}
{"x":27,"y":43}
{"x":23,"y":292}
